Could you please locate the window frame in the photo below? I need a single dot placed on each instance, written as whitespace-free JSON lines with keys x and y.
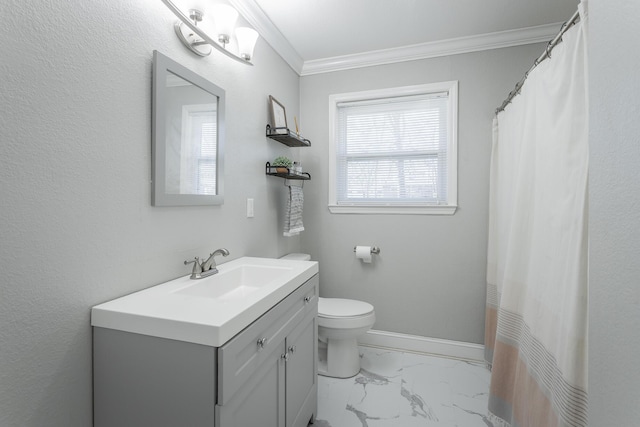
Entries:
{"x":375,"y":207}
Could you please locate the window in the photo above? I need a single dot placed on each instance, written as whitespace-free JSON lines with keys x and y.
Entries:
{"x":394,"y":150}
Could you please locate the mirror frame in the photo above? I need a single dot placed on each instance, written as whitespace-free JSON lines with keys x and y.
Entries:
{"x":163,"y":65}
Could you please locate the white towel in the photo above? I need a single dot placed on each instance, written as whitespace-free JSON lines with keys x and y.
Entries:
{"x":293,"y":216}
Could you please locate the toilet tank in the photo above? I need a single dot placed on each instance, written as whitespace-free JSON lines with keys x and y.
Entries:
{"x":297,"y":257}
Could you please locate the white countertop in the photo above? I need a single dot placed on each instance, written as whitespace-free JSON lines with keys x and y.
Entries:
{"x":166,"y":312}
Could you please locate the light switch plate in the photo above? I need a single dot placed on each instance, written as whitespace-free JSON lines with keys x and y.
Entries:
{"x":249,"y":208}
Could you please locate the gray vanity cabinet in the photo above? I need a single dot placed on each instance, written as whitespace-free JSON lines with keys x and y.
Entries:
{"x":265,"y":376}
{"x":140,"y":380}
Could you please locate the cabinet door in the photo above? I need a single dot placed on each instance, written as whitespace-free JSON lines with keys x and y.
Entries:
{"x":241,"y":357}
{"x":260,"y":401}
{"x":301,"y":374}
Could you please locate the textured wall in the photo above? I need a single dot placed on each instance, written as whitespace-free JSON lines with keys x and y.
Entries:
{"x":614,"y":223}
{"x":76,"y":225}
{"x":429,"y":279}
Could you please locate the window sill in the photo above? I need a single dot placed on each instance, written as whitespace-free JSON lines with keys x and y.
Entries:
{"x":394,"y":210}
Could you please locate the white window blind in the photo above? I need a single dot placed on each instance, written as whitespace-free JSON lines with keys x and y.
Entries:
{"x":199,"y":150}
{"x":393,"y":150}
{"x":207,"y":159}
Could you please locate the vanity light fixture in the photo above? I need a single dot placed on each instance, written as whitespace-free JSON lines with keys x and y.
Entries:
{"x":224,"y":18}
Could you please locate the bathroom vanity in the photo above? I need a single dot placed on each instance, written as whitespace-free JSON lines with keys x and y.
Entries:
{"x":235,"y":349}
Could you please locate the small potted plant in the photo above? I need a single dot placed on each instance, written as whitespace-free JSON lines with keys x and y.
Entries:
{"x":282,"y":164}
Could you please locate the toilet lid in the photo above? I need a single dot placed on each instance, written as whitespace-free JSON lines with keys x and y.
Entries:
{"x":339,"y":307}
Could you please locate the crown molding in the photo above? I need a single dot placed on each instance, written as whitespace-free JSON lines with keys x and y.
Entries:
{"x":538,"y":34}
{"x":255,"y":16}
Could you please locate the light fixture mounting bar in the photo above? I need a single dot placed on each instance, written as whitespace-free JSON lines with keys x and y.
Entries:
{"x":205,"y":38}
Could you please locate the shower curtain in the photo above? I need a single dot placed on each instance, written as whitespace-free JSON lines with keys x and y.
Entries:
{"x":536,"y":317}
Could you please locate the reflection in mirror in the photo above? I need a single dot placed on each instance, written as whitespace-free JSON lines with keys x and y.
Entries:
{"x":188,"y":118}
{"x":191,"y":138}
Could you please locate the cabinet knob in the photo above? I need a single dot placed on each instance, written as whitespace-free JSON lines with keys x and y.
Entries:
{"x":307,"y":299}
{"x":285,"y":357}
{"x":262,"y":342}
{"x":292,"y":349}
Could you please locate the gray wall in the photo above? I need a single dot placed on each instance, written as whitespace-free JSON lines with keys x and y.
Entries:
{"x":76,"y":224}
{"x":77,"y":228}
{"x":429,"y":279}
{"x":614,"y":223}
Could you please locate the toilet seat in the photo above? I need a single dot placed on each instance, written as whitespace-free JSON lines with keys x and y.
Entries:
{"x":345,"y":314}
{"x":340,"y":308}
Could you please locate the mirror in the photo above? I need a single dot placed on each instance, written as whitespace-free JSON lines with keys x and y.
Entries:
{"x":187,"y":137}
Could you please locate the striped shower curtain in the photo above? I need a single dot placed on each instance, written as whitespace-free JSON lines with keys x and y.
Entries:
{"x":536,"y":317}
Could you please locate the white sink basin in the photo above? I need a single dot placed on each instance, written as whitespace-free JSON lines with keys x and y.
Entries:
{"x":207,"y":311}
{"x":230,"y":284}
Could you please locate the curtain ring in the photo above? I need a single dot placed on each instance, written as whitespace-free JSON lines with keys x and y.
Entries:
{"x":565,"y":24}
{"x":548,"y":49}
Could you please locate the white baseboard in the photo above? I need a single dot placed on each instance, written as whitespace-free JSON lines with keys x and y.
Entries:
{"x":440,"y":347}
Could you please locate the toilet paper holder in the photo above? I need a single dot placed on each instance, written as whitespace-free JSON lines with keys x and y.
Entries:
{"x":374,"y":250}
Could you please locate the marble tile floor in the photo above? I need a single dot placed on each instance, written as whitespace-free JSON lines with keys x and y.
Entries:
{"x":400,"y":389}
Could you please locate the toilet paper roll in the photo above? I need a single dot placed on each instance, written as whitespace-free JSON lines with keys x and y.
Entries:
{"x":364,"y":253}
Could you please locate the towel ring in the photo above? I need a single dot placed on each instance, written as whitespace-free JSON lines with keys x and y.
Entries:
{"x":293,"y":180}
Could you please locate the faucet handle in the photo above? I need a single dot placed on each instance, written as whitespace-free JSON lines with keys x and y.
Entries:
{"x":197,"y":268}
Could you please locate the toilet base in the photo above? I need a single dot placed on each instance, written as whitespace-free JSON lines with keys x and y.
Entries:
{"x":338,"y":358}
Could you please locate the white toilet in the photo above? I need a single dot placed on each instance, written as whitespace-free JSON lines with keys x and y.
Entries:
{"x":340,"y":323}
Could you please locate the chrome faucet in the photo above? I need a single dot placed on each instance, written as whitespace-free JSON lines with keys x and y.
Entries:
{"x":208,"y":267}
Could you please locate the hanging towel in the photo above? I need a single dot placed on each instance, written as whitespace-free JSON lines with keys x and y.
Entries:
{"x":293,"y":216}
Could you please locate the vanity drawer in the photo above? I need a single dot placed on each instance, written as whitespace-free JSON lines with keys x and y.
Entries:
{"x":243,"y":355}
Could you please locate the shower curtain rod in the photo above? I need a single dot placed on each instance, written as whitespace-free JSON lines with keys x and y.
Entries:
{"x":546,"y":54}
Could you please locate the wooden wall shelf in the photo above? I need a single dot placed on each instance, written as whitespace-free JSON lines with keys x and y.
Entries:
{"x":286,"y":137}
